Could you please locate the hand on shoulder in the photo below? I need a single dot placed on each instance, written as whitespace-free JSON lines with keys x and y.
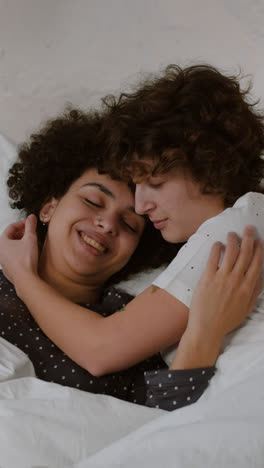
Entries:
{"x":225,"y":295}
{"x":19,"y":249}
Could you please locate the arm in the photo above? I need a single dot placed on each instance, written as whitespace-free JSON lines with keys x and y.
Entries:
{"x":223,"y":297}
{"x":101,"y":345}
{"x":152,"y":321}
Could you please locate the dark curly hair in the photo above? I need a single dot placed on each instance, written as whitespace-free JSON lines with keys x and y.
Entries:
{"x":58,"y":155}
{"x":193,"y":118}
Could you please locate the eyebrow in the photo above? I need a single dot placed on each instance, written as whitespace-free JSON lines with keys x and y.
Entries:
{"x":102,"y":188}
{"x":108,"y":192}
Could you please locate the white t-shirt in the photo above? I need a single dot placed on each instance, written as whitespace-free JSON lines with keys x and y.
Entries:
{"x":181,"y":276}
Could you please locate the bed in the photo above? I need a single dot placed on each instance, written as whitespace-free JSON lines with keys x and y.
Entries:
{"x":45,"y":424}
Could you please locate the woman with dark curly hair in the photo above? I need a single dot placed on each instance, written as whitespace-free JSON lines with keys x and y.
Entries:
{"x":88,"y":238}
{"x":140,"y":135}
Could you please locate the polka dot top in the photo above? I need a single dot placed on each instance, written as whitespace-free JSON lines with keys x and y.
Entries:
{"x":50,"y":363}
{"x":173,"y":389}
{"x":139,"y":384}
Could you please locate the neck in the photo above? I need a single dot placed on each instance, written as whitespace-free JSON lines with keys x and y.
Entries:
{"x":213,"y":206}
{"x":76,"y":288}
{"x":209,"y":207}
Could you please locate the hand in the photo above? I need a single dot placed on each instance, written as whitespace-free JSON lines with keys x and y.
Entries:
{"x":19,"y":248}
{"x":226,"y":295}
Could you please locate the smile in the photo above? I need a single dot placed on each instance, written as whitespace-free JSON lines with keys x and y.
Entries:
{"x":100,"y":248}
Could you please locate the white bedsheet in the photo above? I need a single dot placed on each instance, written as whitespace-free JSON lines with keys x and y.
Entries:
{"x":44,"y":424}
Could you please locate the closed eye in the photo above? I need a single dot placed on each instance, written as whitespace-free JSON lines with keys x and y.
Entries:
{"x":90,"y":202}
{"x":131,"y":228}
{"x":156,"y":182}
{"x":125,"y":223}
{"x":155,"y":185}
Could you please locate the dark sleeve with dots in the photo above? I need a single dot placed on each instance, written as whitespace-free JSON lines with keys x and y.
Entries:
{"x":172,"y":389}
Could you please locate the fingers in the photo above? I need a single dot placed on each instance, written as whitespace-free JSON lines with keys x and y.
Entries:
{"x":253,"y":272}
{"x":251,"y":284}
{"x":31,"y":224}
{"x":214,"y":258}
{"x":237,"y":258}
{"x":255,"y":294}
{"x":15,"y":230}
{"x":231,"y":252}
{"x":246,"y":251}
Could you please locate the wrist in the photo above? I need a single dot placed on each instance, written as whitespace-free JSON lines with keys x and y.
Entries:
{"x":24,"y":282}
{"x":195,"y":350}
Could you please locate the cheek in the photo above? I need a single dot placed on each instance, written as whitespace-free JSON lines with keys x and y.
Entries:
{"x":176,"y":201}
{"x":128,"y":246}
{"x":68,"y":216}
{"x":56,"y":232}
{"x":60,"y":225}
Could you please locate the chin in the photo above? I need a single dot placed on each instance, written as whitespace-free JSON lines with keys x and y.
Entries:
{"x":174,"y":237}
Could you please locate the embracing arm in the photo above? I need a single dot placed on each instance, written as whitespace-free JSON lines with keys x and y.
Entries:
{"x":152,"y":321}
{"x":223,"y":297}
{"x":101,"y":345}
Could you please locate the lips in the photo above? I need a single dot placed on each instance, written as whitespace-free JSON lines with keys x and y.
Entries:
{"x":159,"y":224}
{"x":93,"y":243}
{"x":96,"y":241}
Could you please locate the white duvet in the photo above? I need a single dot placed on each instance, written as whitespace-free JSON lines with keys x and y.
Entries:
{"x":48,"y":425}
{"x":44,"y":424}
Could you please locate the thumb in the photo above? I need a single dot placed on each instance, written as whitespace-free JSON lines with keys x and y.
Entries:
{"x":31,"y":224}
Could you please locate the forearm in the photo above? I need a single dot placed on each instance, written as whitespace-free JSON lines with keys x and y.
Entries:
{"x":195,"y":351}
{"x":150,"y":322}
{"x":71,"y":327}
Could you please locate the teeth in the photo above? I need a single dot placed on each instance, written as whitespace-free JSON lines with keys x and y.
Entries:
{"x":93,"y":243}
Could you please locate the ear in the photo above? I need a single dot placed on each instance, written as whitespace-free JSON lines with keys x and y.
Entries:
{"x":47,"y":210}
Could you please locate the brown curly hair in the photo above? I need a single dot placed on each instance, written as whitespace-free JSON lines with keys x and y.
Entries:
{"x":193,"y":118}
{"x":53,"y":159}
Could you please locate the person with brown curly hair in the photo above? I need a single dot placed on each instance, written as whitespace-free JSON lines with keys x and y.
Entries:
{"x":157,"y":318}
{"x":193,"y":143}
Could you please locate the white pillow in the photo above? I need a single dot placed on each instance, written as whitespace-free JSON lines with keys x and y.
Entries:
{"x":8,"y":154}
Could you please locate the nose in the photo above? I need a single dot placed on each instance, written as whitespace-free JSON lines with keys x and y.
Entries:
{"x":143,"y":203}
{"x":107,"y":224}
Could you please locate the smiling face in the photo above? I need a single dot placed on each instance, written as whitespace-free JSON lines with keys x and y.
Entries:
{"x":175,"y":205}
{"x":93,"y":229}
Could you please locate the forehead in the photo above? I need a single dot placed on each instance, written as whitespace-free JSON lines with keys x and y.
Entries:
{"x":118,"y":192}
{"x":92,"y":178}
{"x":142,"y":169}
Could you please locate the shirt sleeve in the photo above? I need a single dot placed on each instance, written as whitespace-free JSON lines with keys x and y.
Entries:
{"x":173,"y":389}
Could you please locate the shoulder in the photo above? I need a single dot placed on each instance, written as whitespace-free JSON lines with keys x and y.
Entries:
{"x":181,"y":276}
{"x":248,"y":209}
